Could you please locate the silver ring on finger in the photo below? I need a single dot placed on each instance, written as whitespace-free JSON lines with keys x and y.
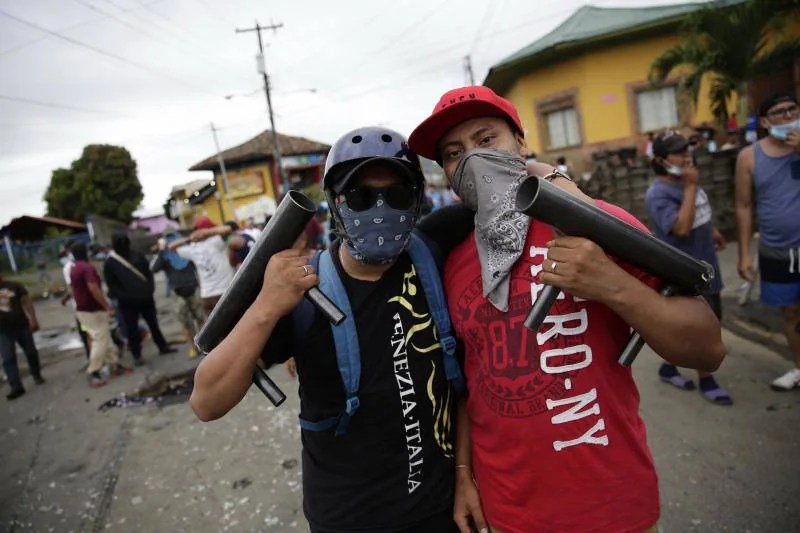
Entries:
{"x":306,"y":272}
{"x":553,"y":266}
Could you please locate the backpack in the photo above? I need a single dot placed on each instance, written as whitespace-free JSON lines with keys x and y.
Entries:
{"x":345,"y":336}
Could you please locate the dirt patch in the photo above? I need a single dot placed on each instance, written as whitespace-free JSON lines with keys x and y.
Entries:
{"x":168,"y":390}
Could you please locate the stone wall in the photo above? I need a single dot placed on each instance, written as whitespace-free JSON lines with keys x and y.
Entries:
{"x":621,"y":177}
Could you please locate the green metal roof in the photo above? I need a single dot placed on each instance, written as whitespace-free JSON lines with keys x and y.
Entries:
{"x":586,"y":26}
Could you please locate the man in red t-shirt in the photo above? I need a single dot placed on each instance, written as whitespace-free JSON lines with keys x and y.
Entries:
{"x":94,"y":310}
{"x":550,"y":430}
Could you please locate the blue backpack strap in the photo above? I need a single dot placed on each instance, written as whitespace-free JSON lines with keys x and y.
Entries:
{"x":345,"y":338}
{"x":428,"y":274}
{"x":303,"y":313}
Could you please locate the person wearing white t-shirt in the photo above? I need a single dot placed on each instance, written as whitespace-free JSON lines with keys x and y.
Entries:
{"x":209,"y":252}
{"x":67,"y":261}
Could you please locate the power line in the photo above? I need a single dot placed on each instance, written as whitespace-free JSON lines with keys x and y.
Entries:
{"x":190,"y":50}
{"x":64,"y":30}
{"x":98,"y":50}
{"x":59,"y":106}
{"x":194,"y":42}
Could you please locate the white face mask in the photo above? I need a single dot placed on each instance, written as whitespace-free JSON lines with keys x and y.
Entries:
{"x":672,"y":170}
{"x":782,"y":130}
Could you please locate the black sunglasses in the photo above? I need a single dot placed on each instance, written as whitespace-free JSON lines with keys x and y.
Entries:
{"x":397,"y":196}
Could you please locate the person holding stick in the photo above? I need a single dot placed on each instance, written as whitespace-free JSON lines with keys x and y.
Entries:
{"x":377,"y":456}
{"x":550,"y":430}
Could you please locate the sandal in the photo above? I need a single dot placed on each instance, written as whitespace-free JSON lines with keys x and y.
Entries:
{"x":717,"y":396}
{"x":679,"y":382}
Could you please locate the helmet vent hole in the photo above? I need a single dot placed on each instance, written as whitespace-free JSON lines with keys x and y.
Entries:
{"x":357,"y":139}
{"x":386,"y":138}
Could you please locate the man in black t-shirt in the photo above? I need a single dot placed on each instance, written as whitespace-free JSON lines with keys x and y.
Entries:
{"x":392,"y":470}
{"x":17,"y":324}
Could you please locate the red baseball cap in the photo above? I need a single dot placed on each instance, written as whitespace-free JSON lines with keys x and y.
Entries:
{"x":203,"y":222}
{"x":455,"y":107}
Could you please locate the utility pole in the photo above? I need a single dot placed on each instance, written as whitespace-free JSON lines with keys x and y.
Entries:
{"x":468,"y":69}
{"x":224,"y":173}
{"x":262,"y":69}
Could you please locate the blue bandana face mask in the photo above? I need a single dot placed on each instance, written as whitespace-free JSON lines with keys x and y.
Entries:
{"x":379,"y":234}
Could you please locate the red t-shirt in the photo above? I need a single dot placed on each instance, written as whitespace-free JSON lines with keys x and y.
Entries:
{"x":81,"y":275}
{"x":557,"y":441}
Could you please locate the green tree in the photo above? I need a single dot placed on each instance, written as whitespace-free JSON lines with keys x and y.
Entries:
{"x":102,"y":182}
{"x":63,"y":197}
{"x":732,"y":41}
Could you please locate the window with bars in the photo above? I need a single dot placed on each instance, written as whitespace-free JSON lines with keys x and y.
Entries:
{"x":658,"y":109}
{"x":562,"y":128}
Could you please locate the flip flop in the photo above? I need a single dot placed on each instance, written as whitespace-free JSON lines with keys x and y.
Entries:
{"x":717,"y":396}
{"x":679,"y":382}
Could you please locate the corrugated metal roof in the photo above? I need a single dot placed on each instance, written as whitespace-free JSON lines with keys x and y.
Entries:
{"x":590,"y":23}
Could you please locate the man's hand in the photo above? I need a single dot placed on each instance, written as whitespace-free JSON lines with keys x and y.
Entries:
{"x":793,"y":138}
{"x":746,"y":271}
{"x":291,"y":367}
{"x":690,"y":175}
{"x":467,"y":505}
{"x":580,"y":267}
{"x":542,"y":169}
{"x":33,"y":325}
{"x":719,"y":240}
{"x":111,"y":312}
{"x":287,"y":278}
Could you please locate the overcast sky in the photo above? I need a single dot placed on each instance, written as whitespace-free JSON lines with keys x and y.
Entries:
{"x":151,"y":75}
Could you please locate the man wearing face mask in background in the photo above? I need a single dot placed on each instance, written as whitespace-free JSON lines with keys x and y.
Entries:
{"x":550,"y":431}
{"x":385,"y":462}
{"x":771,"y":168}
{"x":682,"y":217}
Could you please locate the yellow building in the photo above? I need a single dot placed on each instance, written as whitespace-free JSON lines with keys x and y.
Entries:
{"x":253,"y":180}
{"x":583,"y":87}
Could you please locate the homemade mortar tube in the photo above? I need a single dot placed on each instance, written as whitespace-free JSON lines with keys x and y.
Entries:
{"x":575,"y":217}
{"x":284,"y":228}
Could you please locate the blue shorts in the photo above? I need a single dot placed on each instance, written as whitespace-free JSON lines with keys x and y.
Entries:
{"x":780,"y":282}
{"x":780,"y":294}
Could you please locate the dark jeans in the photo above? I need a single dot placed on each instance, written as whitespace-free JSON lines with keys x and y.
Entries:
{"x":131,"y":310}
{"x":24,"y":338}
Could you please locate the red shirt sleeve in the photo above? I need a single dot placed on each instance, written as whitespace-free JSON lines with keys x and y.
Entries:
{"x":648,"y":279}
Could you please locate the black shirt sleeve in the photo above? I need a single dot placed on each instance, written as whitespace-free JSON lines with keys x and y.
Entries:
{"x":448,"y":226}
{"x":279,"y":345}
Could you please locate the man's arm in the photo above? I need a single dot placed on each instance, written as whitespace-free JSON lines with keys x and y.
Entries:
{"x":223,"y":377}
{"x":682,"y":330}
{"x":685,"y":219}
{"x":99,"y":296}
{"x":744,"y":210}
{"x":158,"y":262}
{"x":202,"y":234}
{"x":30,"y":312}
{"x":174,"y":245}
{"x":467,"y":502}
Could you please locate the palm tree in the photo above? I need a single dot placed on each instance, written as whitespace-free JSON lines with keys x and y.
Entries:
{"x":732,"y":41}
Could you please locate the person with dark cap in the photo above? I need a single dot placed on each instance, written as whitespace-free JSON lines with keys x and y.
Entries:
{"x":377,"y":453}
{"x":18,"y":323}
{"x":682,"y":217}
{"x":94,"y":310}
{"x":771,"y":169}
{"x":130,"y":282}
{"x":550,"y":431}
{"x":207,"y":249}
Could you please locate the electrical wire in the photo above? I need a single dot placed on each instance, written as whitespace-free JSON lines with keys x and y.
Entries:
{"x":99,"y":51}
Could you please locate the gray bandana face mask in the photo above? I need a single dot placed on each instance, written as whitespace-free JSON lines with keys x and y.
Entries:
{"x":487,"y":182}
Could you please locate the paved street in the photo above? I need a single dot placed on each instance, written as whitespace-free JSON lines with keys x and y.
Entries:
{"x":69,"y":468}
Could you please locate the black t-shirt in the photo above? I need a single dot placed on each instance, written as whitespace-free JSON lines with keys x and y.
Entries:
{"x":393,"y":468}
{"x":12,"y":315}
